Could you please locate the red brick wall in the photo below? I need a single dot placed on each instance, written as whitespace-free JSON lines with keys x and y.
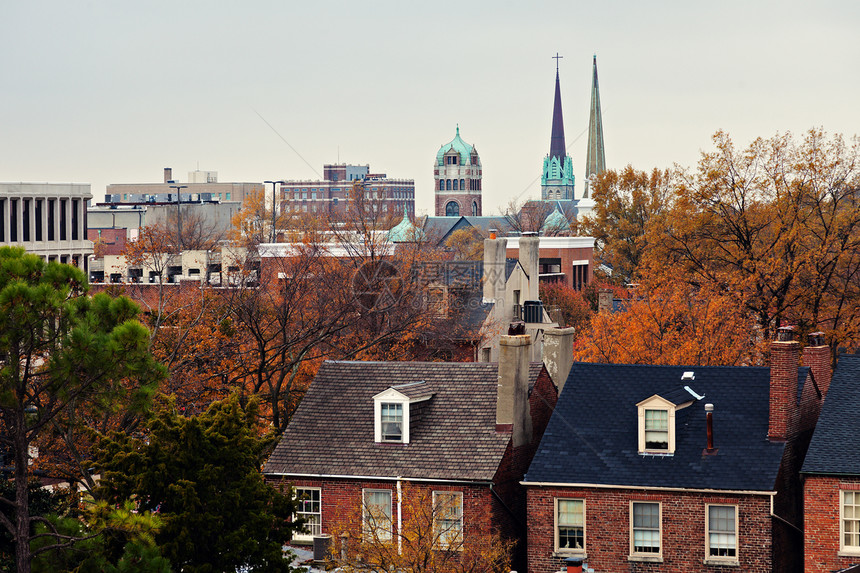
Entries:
{"x":112,"y":240}
{"x":340,"y":499}
{"x":821,"y":526}
{"x":607,"y":527}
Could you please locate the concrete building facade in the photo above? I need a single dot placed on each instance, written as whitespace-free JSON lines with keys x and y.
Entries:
{"x":47,"y":219}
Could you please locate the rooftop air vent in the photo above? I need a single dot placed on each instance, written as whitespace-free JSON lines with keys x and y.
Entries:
{"x":688,"y":376}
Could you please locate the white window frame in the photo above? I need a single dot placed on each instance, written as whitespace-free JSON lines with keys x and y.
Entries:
{"x":556,"y":525}
{"x":647,"y":555}
{"x":843,"y":547}
{"x":720,"y":559}
{"x":390,"y":396}
{"x":300,"y":536}
{"x":439,"y":535}
{"x":656,"y":403}
{"x":381,"y":533}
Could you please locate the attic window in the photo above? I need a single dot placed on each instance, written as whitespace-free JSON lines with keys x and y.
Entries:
{"x":392,"y":422}
{"x":656,"y":426}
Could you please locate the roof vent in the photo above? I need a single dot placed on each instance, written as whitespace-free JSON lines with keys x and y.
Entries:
{"x":689,"y":375}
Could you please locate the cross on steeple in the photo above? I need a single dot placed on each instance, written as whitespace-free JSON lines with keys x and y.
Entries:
{"x":556,"y":57}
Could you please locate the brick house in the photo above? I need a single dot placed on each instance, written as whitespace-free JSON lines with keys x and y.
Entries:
{"x":831,"y":476}
{"x":469,"y":429}
{"x":675,"y":468}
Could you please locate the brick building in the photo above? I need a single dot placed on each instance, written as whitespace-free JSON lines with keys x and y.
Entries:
{"x":457,"y":174}
{"x":469,"y":429}
{"x":333,"y":194}
{"x":831,"y":475}
{"x":674,"y":468}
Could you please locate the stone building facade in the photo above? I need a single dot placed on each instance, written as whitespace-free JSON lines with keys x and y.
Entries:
{"x":457,"y":174}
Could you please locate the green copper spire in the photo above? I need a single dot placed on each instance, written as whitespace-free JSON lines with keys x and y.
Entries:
{"x":596,"y":161}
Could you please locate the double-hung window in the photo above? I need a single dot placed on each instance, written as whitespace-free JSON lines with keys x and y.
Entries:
{"x":309,"y":508}
{"x":722,"y":539}
{"x":849,"y":522}
{"x":645,"y":529}
{"x":376,"y":514}
{"x":448,"y":519}
{"x":657,"y":430}
{"x":392,"y":422}
{"x":569,"y":525}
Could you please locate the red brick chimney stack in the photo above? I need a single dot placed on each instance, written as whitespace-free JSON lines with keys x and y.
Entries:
{"x":817,"y":357}
{"x":784,"y":354}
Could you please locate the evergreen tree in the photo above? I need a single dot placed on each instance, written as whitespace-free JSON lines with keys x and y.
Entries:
{"x":201,"y":474}
{"x":60,"y":350}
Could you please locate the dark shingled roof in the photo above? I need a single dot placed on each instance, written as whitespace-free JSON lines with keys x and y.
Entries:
{"x":455,"y":437}
{"x":835,"y":446}
{"x":592,"y":435}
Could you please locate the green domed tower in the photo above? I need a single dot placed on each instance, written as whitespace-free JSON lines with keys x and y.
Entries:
{"x":457,"y":175}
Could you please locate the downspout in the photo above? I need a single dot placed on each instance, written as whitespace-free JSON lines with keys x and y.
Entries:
{"x":400,"y":517}
{"x":783,"y":520}
{"x":508,"y":509}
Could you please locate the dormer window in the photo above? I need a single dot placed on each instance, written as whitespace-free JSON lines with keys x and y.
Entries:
{"x":657,"y":430}
{"x":392,"y":422}
{"x":656,"y":426}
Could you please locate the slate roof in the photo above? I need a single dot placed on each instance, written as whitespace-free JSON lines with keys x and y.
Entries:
{"x":835,"y":446}
{"x":455,"y":437}
{"x":592,"y":435}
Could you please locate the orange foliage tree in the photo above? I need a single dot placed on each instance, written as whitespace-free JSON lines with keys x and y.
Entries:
{"x":433,"y":536}
{"x":672,"y":323}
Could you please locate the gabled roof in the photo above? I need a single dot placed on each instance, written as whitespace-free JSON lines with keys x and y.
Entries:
{"x":835,"y":446}
{"x":455,"y":439}
{"x":592,"y":435}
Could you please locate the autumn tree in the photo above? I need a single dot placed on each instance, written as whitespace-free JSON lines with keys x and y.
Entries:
{"x":626,"y":204}
{"x":467,"y":244}
{"x":528,"y":216}
{"x":255,"y":223}
{"x":201,"y":474}
{"x":573,"y":308}
{"x":434,"y":536}
{"x":672,"y":322}
{"x":776,"y":225}
{"x":61,"y":351}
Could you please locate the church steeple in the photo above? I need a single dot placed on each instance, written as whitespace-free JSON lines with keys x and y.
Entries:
{"x":556,"y":142}
{"x":595,"y":162}
{"x":557,"y":181}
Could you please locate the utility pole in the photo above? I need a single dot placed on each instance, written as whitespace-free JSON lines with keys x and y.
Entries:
{"x":179,"y":211}
{"x":274,"y":199}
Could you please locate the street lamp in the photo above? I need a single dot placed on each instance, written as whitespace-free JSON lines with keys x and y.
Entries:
{"x":274,"y":197}
{"x":179,"y":210}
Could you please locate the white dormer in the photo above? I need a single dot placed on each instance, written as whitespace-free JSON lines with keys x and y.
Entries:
{"x":391,"y":417}
{"x":656,"y":426}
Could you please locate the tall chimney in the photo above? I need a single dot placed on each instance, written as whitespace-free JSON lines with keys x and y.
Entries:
{"x":494,"y":267}
{"x":817,"y":357}
{"x":558,"y":354}
{"x":784,"y":353}
{"x":168,"y":175}
{"x":512,"y":398}
{"x":530,"y":259}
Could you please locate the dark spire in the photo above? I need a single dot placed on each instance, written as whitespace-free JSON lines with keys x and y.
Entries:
{"x":596,"y":162}
{"x":556,"y":142}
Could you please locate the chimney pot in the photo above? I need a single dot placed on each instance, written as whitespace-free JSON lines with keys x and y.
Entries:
{"x":816,"y":339}
{"x":785,"y":334}
{"x":709,"y":407}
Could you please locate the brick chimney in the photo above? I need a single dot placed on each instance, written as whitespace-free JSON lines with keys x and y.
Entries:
{"x":558,"y":354}
{"x":784,"y":353}
{"x":817,"y":357}
{"x":512,"y":398}
{"x":530,"y":260}
{"x":495,"y":254}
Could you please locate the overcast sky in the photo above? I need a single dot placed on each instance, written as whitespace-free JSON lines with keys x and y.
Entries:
{"x":114,"y":91}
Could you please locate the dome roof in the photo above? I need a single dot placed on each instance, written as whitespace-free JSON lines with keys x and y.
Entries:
{"x":555,"y":221}
{"x":458,"y":145}
{"x":405,"y":232}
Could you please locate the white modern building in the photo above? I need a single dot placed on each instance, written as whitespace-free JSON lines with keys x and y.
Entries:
{"x":47,"y":219}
